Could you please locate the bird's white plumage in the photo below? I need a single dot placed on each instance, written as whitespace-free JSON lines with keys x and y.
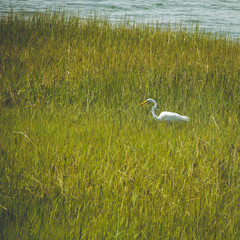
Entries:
{"x":166,"y":116}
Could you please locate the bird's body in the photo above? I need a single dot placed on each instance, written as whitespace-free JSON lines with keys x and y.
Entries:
{"x":172,"y":117}
{"x":165,"y":116}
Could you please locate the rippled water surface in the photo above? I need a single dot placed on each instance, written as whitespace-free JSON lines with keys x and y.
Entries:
{"x":212,"y":15}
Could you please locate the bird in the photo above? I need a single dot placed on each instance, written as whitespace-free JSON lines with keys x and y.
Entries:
{"x":165,"y":116}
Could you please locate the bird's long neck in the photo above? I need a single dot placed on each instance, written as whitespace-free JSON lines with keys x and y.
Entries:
{"x":153,"y":111}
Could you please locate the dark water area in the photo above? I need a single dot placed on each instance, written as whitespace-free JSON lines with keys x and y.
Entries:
{"x":216,"y":16}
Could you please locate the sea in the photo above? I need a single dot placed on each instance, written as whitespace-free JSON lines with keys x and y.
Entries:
{"x":215,"y":16}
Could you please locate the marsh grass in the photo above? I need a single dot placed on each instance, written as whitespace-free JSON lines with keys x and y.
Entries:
{"x":81,"y":160}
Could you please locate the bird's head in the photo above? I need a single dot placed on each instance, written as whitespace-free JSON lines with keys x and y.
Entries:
{"x":148,"y":100}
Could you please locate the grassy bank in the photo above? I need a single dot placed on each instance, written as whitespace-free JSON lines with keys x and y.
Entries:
{"x":81,"y":160}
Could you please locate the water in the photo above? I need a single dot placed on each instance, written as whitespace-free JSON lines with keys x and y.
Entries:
{"x":216,"y":16}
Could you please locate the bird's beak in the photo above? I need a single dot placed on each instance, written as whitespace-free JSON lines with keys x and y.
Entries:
{"x":143,"y":103}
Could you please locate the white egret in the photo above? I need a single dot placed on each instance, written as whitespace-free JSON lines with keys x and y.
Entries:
{"x":166,"y":116}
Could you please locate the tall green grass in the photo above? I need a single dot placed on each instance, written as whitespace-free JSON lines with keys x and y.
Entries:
{"x":81,"y":160}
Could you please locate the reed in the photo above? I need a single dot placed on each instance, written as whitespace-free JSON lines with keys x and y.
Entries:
{"x":81,"y":160}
